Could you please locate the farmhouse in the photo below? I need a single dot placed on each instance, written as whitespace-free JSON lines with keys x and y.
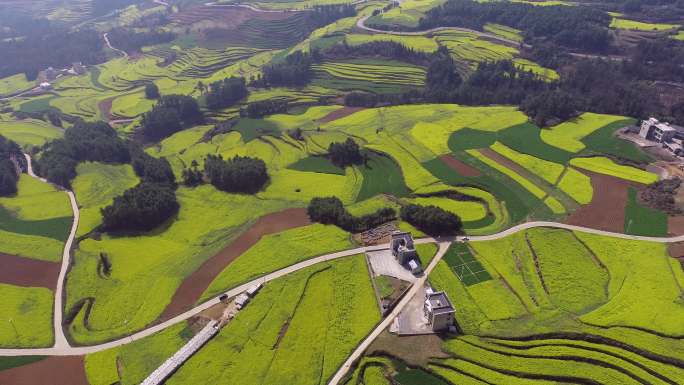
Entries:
{"x":78,"y":68}
{"x":402,"y":247}
{"x":438,"y":310}
{"x":670,"y":136}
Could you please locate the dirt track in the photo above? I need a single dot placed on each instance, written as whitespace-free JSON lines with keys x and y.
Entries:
{"x":460,"y":167}
{"x":606,"y":211}
{"x":28,"y":272}
{"x":52,"y":370}
{"x":193,"y":286}
{"x":339,"y":114}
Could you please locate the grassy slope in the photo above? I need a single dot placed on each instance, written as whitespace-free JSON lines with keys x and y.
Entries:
{"x":35,"y":221}
{"x":26,"y":317}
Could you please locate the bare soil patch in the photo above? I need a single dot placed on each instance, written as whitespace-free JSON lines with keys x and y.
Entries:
{"x":105,"y":107}
{"x":52,"y":370}
{"x":461,"y":168}
{"x":414,"y":350}
{"x":675,"y":225}
{"x":194,"y":285}
{"x":676,"y":250}
{"x":502,"y":160}
{"x":28,"y":272}
{"x":339,"y":114}
{"x":606,"y":211}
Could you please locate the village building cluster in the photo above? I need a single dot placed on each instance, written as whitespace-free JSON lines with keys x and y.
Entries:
{"x":671,"y":137}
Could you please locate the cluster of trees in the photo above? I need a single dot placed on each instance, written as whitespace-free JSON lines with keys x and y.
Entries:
{"x":431,"y":220}
{"x":293,"y":71}
{"x":322,"y":15}
{"x":549,"y":106}
{"x":264,"y":107}
{"x":226,"y":93}
{"x":147,"y":205}
{"x":346,"y":153}
{"x":577,"y":27}
{"x":331,"y":211}
{"x":171,"y":114}
{"x":442,"y":78}
{"x":53,"y":47}
{"x":84,"y":141}
{"x":386,"y":49}
{"x":141,"y":208}
{"x":240,"y":174}
{"x":152,"y":91}
{"x":8,"y":171}
{"x":129,"y":40}
{"x":103,"y":7}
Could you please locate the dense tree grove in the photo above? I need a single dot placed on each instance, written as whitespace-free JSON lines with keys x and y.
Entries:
{"x":345,"y":154}
{"x":141,"y":208}
{"x":294,"y":71}
{"x":102,"y":7}
{"x":331,"y":211}
{"x":226,"y":93}
{"x":171,"y":114}
{"x":264,"y":107}
{"x":322,"y":15}
{"x":85,"y":141}
{"x":151,"y":169}
{"x":240,"y":174}
{"x":442,"y":78}
{"x":129,"y":40}
{"x":577,"y":27}
{"x":8,"y":172}
{"x":152,"y":91}
{"x":386,"y":49}
{"x":55,"y":47}
{"x":431,"y":220}
{"x":192,"y":176}
{"x":548,"y":106}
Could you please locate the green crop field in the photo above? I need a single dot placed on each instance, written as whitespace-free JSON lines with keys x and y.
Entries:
{"x":14,"y":84}
{"x":131,"y":363}
{"x":418,"y":43}
{"x":298,"y":329}
{"x":535,"y":190}
{"x":546,"y":170}
{"x":381,"y":175}
{"x":503,"y":31}
{"x":464,"y":265}
{"x":603,"y":165}
{"x":147,"y":268}
{"x":407,"y":14}
{"x":468,"y":211}
{"x":35,"y":222}
{"x":679,"y":36}
{"x":565,"y":295}
{"x":316,"y":164}
{"x":375,"y":76}
{"x":619,"y":23}
{"x":274,"y":252}
{"x":28,"y":132}
{"x":96,"y":186}
{"x":642,"y":220}
{"x":568,"y":136}
{"x":26,"y":317}
{"x":577,"y":186}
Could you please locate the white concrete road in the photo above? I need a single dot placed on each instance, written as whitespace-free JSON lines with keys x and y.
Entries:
{"x":105,"y":36}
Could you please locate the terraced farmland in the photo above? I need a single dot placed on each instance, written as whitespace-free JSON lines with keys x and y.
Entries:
{"x":371,"y":76}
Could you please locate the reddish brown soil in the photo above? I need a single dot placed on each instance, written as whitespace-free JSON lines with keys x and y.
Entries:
{"x":105,"y":107}
{"x":460,"y":167}
{"x":339,"y":114}
{"x":502,"y":160}
{"x":52,"y":370}
{"x":28,"y":272}
{"x":606,"y":211}
{"x":193,"y":286}
{"x":676,"y":250}
{"x":675,"y":225}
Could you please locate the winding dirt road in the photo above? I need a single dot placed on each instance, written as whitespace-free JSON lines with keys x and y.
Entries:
{"x":61,"y":342}
{"x":105,"y":36}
